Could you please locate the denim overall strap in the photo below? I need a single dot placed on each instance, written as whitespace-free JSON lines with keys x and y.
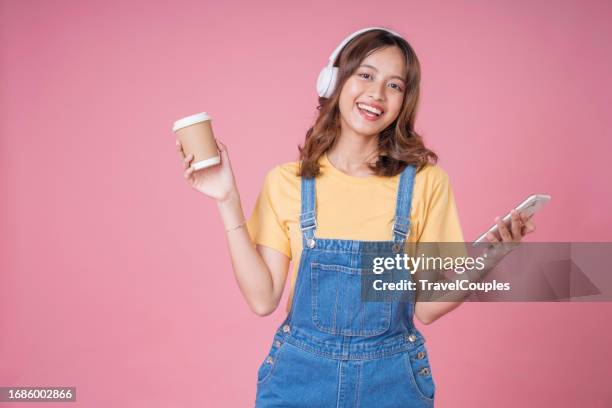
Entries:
{"x":308,"y":216}
{"x":401,"y":225}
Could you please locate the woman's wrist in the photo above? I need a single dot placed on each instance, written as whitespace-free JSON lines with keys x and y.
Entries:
{"x":230,"y":209}
{"x":230,"y":197}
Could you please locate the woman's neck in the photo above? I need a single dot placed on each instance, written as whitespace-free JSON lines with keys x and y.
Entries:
{"x":351,"y":155}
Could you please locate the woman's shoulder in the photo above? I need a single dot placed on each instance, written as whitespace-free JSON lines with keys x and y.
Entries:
{"x":285,"y":171}
{"x":432,"y":177}
{"x":432,"y":172}
{"x":283,"y":176}
{"x":289,"y":169}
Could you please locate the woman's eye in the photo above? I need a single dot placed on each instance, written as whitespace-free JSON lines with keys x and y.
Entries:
{"x":362,"y":75}
{"x":399,"y":88}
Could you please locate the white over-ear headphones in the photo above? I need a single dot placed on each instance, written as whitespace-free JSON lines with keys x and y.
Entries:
{"x":326,"y":83}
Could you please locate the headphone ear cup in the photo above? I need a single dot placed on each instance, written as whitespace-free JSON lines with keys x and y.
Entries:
{"x":326,"y":83}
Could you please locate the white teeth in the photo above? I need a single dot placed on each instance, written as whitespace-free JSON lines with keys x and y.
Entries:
{"x":369,"y":108}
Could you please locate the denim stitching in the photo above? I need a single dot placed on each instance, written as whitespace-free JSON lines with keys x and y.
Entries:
{"x":313,"y":295}
{"x":380,"y":352}
{"x":384,"y":321}
{"x":398,"y":341}
{"x":340,"y":382}
{"x":358,"y":383}
{"x":336,"y":303}
{"x":346,"y":251}
{"x":276,"y":357}
{"x":362,"y":313}
{"x":409,"y":367}
{"x":336,"y":268}
{"x":298,"y":285}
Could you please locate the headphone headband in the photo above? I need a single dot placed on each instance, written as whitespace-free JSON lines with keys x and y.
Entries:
{"x":334,"y":55}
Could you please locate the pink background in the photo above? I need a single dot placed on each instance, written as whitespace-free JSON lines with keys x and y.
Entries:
{"x":116,"y":277}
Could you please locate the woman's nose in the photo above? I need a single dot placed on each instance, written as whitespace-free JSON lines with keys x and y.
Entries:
{"x":377,"y":91}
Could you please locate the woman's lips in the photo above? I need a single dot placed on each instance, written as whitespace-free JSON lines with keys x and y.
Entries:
{"x":365,"y":116}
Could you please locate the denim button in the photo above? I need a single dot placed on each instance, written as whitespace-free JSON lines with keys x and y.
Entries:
{"x":411,"y":338}
{"x":424,"y":371}
{"x":310,"y":243}
{"x":420,"y":355}
{"x":277,"y":343}
{"x":396,"y":247}
{"x":269,"y":360}
{"x":286,"y":328}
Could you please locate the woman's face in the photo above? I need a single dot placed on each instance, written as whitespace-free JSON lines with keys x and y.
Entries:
{"x":377,"y":83}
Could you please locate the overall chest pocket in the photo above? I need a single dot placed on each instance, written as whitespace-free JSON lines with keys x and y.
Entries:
{"x":337,"y":307}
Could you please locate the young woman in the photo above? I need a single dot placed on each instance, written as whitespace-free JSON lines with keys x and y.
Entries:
{"x":364,"y":178}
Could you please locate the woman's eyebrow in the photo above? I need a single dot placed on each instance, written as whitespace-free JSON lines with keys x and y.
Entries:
{"x":374,"y":68}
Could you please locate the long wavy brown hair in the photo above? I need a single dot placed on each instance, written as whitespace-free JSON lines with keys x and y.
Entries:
{"x":399,"y":144}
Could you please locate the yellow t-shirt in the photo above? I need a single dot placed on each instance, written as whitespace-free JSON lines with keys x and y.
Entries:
{"x":349,"y":207}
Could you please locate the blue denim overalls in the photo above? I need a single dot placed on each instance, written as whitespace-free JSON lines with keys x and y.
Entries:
{"x":334,"y":350}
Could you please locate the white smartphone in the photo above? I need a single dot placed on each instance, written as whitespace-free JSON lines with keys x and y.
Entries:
{"x":529,"y":206}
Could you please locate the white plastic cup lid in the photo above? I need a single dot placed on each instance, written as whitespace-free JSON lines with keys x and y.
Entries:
{"x":190,"y":120}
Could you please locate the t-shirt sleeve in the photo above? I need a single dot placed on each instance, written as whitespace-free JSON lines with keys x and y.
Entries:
{"x":264,"y":226}
{"x":441,"y":223}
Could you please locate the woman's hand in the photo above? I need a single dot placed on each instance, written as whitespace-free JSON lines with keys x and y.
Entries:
{"x":216,"y":181}
{"x":520,"y":226}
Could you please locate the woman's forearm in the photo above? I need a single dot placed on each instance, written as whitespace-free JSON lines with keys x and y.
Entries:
{"x":251,"y":272}
{"x":504,"y":241}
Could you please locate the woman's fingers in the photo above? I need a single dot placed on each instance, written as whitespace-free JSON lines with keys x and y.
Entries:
{"x":510,"y":237}
{"x":187,"y":160}
{"x":188,"y":172}
{"x":222,"y":147}
{"x":223,"y":150}
{"x":529,"y":227}
{"x":503,"y":230}
{"x":516,"y":226}
{"x":179,"y":149}
{"x":528,"y":224}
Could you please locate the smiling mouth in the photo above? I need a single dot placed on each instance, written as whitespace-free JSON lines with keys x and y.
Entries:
{"x":369,"y":113}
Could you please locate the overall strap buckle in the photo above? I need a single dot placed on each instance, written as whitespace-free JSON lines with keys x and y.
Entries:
{"x":399,"y":232}
{"x":304,"y":224}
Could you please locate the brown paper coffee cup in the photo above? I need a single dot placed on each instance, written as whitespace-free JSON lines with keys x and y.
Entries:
{"x":196,"y":136}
